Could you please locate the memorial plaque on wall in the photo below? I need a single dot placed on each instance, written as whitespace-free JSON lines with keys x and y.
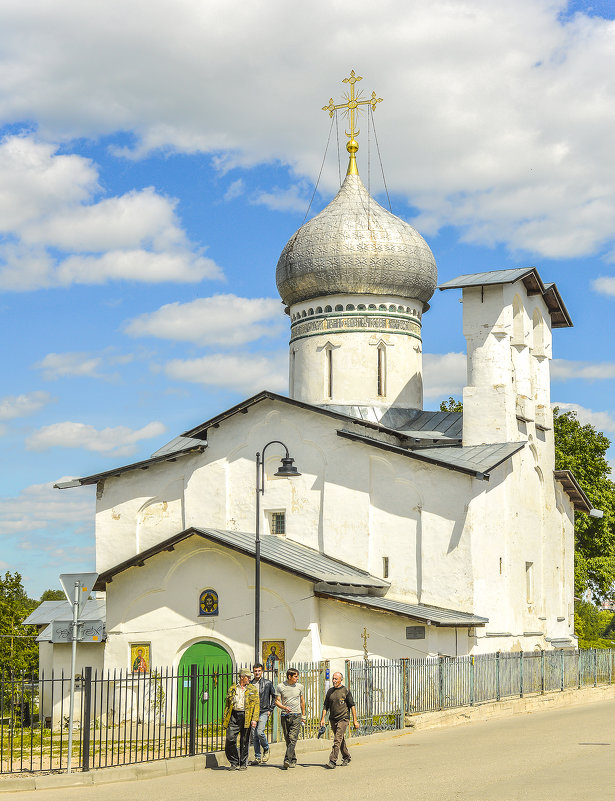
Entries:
{"x":415,"y":632}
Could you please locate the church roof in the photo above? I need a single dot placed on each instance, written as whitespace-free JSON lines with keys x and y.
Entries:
{"x":180,"y":446}
{"x":355,"y":246}
{"x":429,"y":614}
{"x":48,"y":611}
{"x":575,"y":492}
{"x":276,"y":551}
{"x":532,"y":282}
{"x":475,"y":460}
{"x":433,"y":437}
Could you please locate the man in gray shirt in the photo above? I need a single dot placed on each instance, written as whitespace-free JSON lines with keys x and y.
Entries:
{"x":290,"y":699}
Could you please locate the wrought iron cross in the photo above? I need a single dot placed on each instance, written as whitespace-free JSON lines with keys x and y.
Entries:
{"x":365,"y":637}
{"x":352,"y":103}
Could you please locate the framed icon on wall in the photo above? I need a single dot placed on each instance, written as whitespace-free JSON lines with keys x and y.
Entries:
{"x":140,"y":657}
{"x":274,"y":654}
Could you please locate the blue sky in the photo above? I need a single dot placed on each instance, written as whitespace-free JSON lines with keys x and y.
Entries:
{"x":155,"y":158}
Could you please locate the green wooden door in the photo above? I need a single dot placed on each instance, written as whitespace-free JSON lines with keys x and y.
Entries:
{"x":215,"y":675}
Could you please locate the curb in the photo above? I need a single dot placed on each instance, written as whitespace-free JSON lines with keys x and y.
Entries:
{"x":418,"y":722}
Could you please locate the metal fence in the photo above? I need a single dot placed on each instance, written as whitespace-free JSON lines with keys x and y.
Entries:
{"x":447,"y":682}
{"x":123,"y":717}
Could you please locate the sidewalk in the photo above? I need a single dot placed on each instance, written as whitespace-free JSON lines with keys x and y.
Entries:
{"x":414,"y":723}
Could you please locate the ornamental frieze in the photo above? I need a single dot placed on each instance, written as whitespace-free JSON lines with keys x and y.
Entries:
{"x":344,"y":323}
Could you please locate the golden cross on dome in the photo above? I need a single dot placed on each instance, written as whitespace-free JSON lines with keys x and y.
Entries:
{"x":351,"y":107}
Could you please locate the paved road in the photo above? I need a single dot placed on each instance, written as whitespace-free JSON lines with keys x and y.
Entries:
{"x":559,"y":755}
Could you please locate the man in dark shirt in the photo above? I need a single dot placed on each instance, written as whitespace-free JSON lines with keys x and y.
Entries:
{"x":267,"y":702}
{"x":339,"y":703}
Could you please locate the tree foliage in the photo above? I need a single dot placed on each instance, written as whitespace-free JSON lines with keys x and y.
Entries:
{"x":594,"y":626}
{"x":18,"y":647}
{"x":582,"y":449}
{"x":451,"y":405}
{"x":53,"y":595}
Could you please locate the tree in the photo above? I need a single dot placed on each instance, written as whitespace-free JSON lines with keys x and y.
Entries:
{"x":18,"y":647}
{"x":451,"y":405}
{"x":582,"y":449}
{"x":53,"y":595}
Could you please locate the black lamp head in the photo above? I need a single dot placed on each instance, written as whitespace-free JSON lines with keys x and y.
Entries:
{"x":287,"y":469}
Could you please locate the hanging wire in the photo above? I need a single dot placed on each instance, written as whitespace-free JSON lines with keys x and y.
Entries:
{"x":319,"y":174}
{"x":339,"y":163}
{"x":371,"y":114}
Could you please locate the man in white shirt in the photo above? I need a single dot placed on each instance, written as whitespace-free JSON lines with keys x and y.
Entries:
{"x":290,"y":699}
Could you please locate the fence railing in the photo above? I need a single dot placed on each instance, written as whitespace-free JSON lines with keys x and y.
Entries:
{"x":123,"y":717}
{"x":438,"y":683}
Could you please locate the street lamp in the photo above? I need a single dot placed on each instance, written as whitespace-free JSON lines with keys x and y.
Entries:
{"x":285,"y":470}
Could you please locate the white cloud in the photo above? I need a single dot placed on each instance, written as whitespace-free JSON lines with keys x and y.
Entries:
{"x":497,"y":116}
{"x":291,"y":199}
{"x":444,"y":374}
{"x":39,"y":506}
{"x":22,"y":405}
{"x":117,"y":441}
{"x":217,"y":320}
{"x":236,"y":188}
{"x":605,"y":285}
{"x":49,"y":201}
{"x":244,"y":373}
{"x":564,"y":370}
{"x":603,"y":421}
{"x":60,"y":365}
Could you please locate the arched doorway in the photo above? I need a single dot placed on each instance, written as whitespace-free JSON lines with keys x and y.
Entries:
{"x":214,"y":676}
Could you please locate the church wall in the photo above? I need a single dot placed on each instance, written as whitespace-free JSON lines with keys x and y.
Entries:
{"x":57,"y":658}
{"x":523,"y":552}
{"x":139,"y":509}
{"x":158,"y":603}
{"x":342,"y":626}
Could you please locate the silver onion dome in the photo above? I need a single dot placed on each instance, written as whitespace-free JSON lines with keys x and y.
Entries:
{"x":355,"y":246}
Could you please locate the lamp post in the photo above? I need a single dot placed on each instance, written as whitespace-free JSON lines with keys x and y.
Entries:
{"x":285,"y":470}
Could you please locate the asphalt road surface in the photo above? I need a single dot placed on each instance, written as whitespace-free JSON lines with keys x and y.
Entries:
{"x":559,"y":755}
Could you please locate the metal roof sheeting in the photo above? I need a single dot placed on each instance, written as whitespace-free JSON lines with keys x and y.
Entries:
{"x":414,"y":423}
{"x":476,"y":460}
{"x":573,"y":489}
{"x":282,"y":553}
{"x":533,"y":283}
{"x":94,"y":609}
{"x":487,"y":278}
{"x":164,"y":454}
{"x":429,"y":614}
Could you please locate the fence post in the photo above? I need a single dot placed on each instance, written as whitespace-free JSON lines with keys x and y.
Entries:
{"x":562,"y":670}
{"x":405,"y":694}
{"x":441,"y":680}
{"x":542,"y":671}
{"x":85,"y":723}
{"x":521,"y":675}
{"x":497,"y":676}
{"x":192,"y":718}
{"x":472,"y":680}
{"x":579,"y":668}
{"x":595,"y":667}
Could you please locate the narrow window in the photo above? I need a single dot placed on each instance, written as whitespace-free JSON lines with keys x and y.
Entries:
{"x":293,"y":364}
{"x":278,"y":523}
{"x":385,"y":567}
{"x":529,"y":581}
{"x":381,"y":370}
{"x":329,"y":372}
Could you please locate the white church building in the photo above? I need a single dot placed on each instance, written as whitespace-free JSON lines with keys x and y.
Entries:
{"x":432,"y":532}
